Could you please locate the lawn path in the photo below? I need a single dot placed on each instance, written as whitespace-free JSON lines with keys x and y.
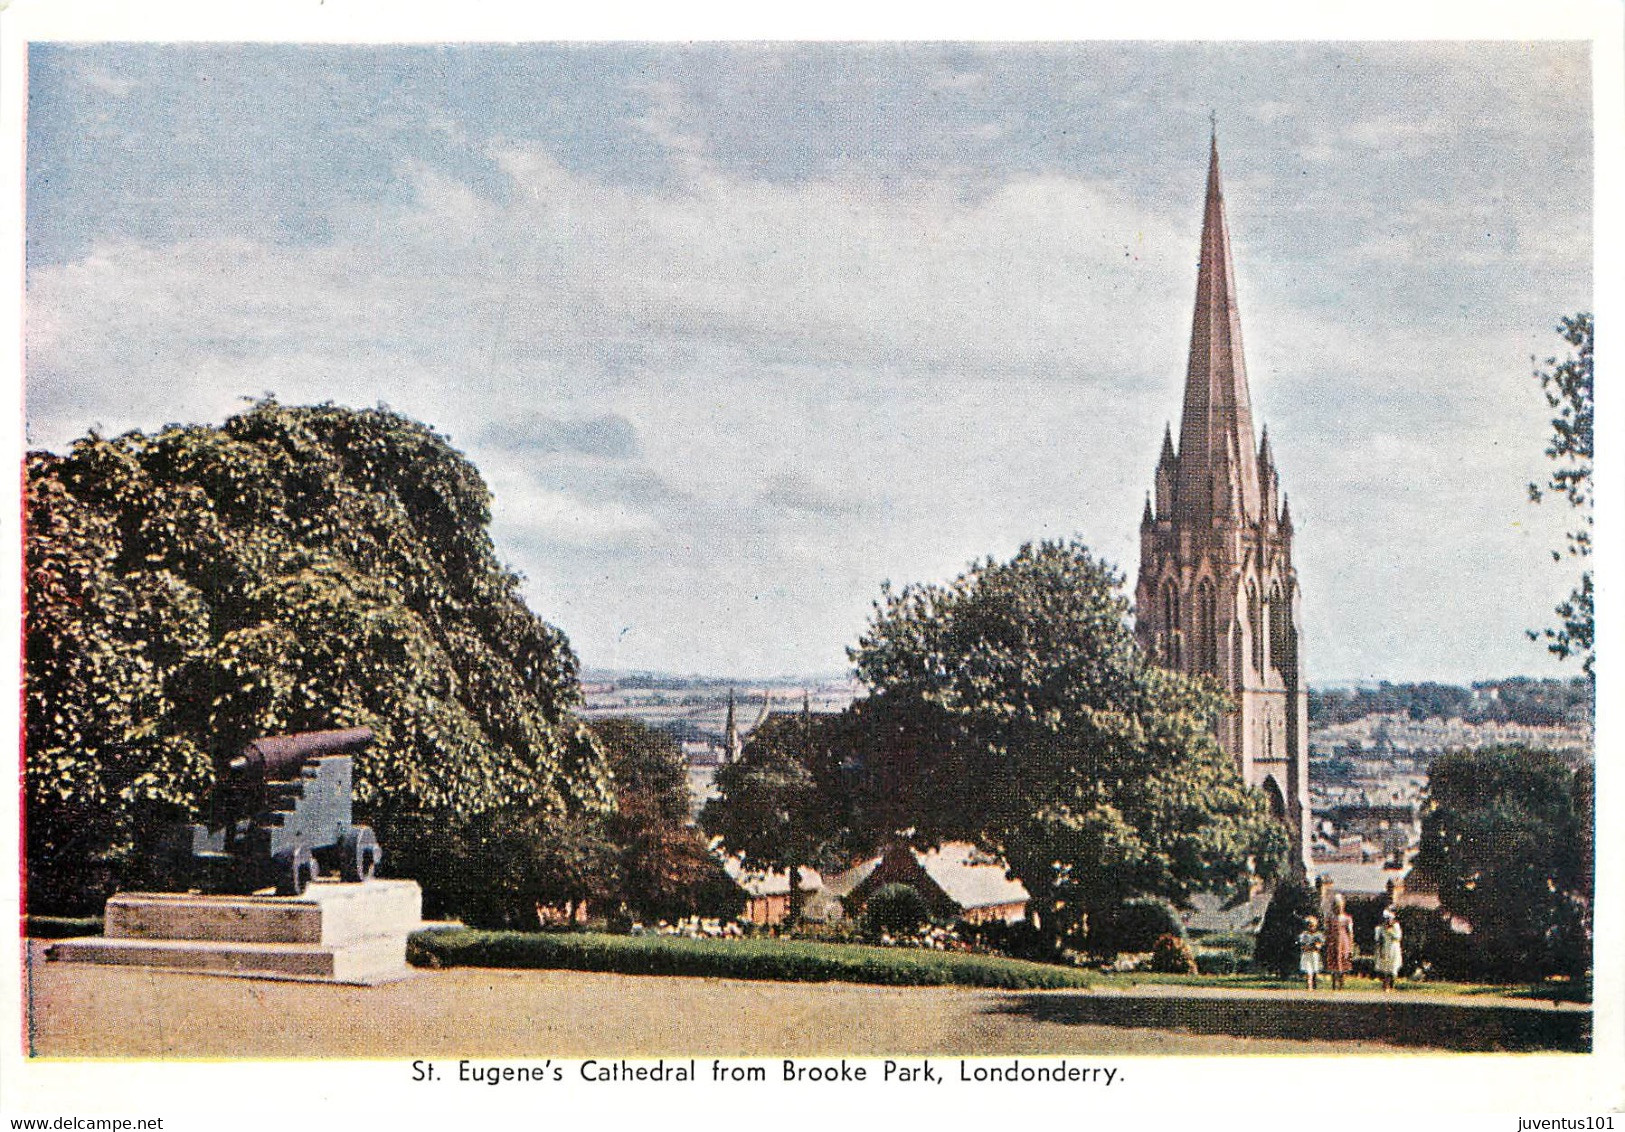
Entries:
{"x":86,"y":1011}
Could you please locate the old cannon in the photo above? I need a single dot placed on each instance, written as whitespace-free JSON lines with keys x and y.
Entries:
{"x":280,"y":815}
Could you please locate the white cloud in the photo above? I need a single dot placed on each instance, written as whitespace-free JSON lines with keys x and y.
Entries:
{"x":830,"y":382}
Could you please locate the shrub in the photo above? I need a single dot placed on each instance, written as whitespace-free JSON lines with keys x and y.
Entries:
{"x":896,"y":908}
{"x":1134,"y":926}
{"x":1021,"y":939}
{"x":1277,"y":950}
{"x":1218,"y":962}
{"x":1427,"y":938}
{"x":1171,"y":955}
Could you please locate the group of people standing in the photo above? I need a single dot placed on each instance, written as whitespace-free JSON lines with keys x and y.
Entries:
{"x":1332,"y":951}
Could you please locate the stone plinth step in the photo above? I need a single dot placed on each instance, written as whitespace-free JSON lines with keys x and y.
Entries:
{"x":329,"y":914}
{"x":367,"y":962}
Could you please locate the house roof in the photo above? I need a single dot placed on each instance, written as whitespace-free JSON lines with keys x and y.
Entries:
{"x":1357,"y":879}
{"x":1210,"y":913}
{"x":969,"y":877}
{"x":769,"y":882}
{"x":842,"y":883}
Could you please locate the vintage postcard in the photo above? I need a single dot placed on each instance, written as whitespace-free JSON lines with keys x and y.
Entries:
{"x":741,"y":570}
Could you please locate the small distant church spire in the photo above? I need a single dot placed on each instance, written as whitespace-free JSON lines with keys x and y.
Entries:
{"x":732,"y":746}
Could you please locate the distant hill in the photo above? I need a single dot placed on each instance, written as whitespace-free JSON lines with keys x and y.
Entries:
{"x":676,"y":682}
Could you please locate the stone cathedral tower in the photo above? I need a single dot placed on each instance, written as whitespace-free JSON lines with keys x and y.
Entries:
{"x":1217,"y":593}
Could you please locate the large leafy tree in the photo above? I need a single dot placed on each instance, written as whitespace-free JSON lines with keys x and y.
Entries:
{"x":666,"y":866}
{"x":1013,"y":706}
{"x":783,"y":805}
{"x":1567,"y":384}
{"x":1506,"y":833}
{"x":295,"y":568}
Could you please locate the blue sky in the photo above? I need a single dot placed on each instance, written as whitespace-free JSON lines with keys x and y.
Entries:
{"x":737,"y":332}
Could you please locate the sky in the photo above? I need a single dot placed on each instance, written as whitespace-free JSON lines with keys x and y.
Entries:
{"x":736,"y":333}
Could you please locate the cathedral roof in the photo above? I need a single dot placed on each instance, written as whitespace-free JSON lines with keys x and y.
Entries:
{"x":1217,"y":412}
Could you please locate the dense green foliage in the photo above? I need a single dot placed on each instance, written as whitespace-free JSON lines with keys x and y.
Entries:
{"x":1276,"y":951}
{"x":785,"y":804}
{"x":293,"y":569}
{"x":61,"y":927}
{"x":781,"y":960}
{"x":1171,"y":955}
{"x":1014,"y":707}
{"x":1133,"y":927}
{"x":667,"y":870}
{"x":1517,"y":700}
{"x":1568,"y":385}
{"x":897,"y":909}
{"x":1507,"y":834}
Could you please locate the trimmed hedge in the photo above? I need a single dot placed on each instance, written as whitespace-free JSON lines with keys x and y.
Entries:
{"x":1218,"y":962}
{"x":61,"y":927}
{"x":778,"y":960}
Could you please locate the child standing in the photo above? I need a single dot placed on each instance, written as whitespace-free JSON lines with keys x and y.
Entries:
{"x":1388,"y":957}
{"x":1310,"y":941}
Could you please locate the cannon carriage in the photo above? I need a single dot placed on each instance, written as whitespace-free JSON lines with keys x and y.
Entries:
{"x":281,"y":816}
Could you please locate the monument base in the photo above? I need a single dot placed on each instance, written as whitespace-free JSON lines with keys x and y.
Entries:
{"x":334,"y":933}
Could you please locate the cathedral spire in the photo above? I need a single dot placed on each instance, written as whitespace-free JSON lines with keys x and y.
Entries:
{"x":1217,"y":409}
{"x":1217,"y":593}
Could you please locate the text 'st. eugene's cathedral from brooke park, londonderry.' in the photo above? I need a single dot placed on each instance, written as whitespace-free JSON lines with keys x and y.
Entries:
{"x":1217,"y":593}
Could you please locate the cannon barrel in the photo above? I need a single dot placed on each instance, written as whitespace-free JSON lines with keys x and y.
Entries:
{"x":278,"y":757}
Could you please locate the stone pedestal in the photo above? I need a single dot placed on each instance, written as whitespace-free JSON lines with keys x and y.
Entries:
{"x":334,"y":933}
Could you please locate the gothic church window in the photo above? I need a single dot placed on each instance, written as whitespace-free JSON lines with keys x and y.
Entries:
{"x":1207,"y":637}
{"x":1255,"y":627}
{"x":1280,"y":630}
{"x":1170,"y":625}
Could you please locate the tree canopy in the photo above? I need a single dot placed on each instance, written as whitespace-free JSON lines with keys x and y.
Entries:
{"x":784,"y":804}
{"x":1507,"y":835}
{"x":1567,"y":384}
{"x":292,"y":569}
{"x":666,"y":866}
{"x":1014,"y":707}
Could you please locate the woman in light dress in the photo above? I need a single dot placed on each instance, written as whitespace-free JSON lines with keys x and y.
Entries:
{"x":1388,"y":956}
{"x":1310,"y":941}
{"x":1339,"y":942}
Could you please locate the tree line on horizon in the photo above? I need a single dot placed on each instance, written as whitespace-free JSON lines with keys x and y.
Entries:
{"x":1524,"y":700}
